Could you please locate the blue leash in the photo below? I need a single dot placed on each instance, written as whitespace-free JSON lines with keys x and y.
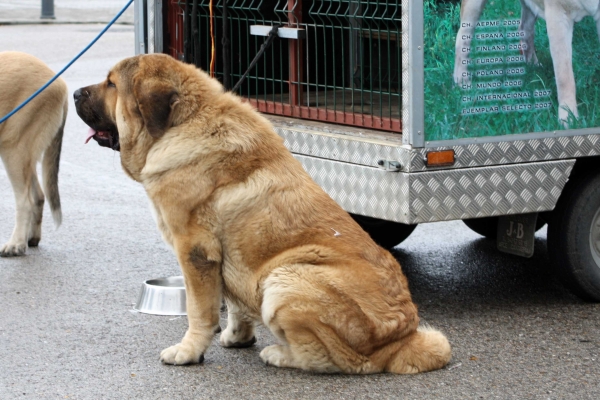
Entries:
{"x":10,"y":114}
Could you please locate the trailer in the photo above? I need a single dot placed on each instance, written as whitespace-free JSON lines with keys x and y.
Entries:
{"x":416,"y":111}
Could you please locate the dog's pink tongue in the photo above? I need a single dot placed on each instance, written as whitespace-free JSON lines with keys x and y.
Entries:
{"x":90,"y":135}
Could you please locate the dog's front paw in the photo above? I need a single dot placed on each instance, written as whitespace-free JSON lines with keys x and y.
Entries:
{"x":13,"y":249}
{"x":231,"y":339}
{"x":181,"y":354}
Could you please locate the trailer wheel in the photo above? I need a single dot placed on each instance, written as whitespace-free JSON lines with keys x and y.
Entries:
{"x":488,"y":226}
{"x":574,"y":237}
{"x":387,"y":234}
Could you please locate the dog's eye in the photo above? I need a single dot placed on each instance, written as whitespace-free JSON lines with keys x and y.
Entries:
{"x":110,"y":84}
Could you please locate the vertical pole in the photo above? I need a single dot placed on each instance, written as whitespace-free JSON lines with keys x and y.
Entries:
{"x":416,"y":78}
{"x":195,"y":35}
{"x":151,"y":26}
{"x":140,"y":27}
{"x":296,"y":54}
{"x":187,"y":38}
{"x":47,"y":9}
{"x":159,"y":33}
{"x":226,"y":46}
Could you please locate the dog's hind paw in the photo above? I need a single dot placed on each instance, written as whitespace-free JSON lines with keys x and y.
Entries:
{"x":13,"y":250}
{"x":276,"y":355}
{"x":181,"y":354}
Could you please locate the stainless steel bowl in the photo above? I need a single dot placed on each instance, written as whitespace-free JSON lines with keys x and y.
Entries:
{"x":162,"y":296}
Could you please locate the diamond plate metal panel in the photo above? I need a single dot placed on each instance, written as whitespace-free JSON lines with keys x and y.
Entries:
{"x":487,"y":191}
{"x":338,"y":147}
{"x":441,"y":195}
{"x":362,"y":190}
{"x":364,"y":151}
{"x":516,"y":151}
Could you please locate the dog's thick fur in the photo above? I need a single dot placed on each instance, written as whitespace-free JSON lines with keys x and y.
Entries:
{"x":560,"y":16}
{"x":34,"y":130}
{"x":247,"y":222}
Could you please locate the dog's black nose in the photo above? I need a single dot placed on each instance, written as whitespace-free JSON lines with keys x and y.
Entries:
{"x":77,"y":94}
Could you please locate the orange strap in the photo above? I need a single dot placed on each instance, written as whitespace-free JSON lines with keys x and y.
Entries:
{"x":212,"y":41}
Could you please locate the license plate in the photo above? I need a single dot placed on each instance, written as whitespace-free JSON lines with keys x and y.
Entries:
{"x":516,"y":234}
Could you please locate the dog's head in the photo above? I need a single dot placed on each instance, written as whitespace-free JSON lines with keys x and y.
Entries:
{"x":141,"y":98}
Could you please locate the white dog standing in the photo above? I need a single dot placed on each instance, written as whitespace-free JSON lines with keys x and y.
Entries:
{"x":34,"y":130}
{"x":560,"y":16}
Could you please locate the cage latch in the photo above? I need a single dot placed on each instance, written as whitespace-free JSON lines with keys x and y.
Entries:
{"x":283,"y":31}
{"x":392,"y":166}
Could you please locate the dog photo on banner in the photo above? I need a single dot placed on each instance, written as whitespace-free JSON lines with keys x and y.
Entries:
{"x":510,"y":67}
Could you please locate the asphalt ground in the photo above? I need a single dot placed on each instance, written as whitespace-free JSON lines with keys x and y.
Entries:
{"x":67,"y":329}
{"x":65,"y":12}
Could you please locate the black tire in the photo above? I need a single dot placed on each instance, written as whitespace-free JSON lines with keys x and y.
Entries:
{"x":488,"y":226}
{"x":574,"y":237}
{"x":387,"y":234}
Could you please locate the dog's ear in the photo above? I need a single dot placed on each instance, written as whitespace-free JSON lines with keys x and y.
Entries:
{"x":156,"y":102}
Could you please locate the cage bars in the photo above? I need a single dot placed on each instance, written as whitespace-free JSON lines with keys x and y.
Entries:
{"x":345,"y":69}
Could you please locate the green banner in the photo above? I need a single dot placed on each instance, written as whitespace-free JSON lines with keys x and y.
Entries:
{"x":503,"y":69}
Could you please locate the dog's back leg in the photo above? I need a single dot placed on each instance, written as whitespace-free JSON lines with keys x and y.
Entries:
{"x":314,"y":346}
{"x":470,"y":11}
{"x":290,"y":309}
{"x":37,"y":208}
{"x":21,"y":172}
{"x":50,"y":166}
{"x":310,"y":345}
{"x":304,"y":350}
{"x":560,"y":35}
{"x":527,"y":26}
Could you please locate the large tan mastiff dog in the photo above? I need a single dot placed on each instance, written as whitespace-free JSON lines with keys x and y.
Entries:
{"x":560,"y":16}
{"x":34,"y":130}
{"x":247,"y":222}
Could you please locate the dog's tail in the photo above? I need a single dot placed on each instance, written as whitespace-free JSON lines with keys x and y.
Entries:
{"x":427,"y":349}
{"x":50,"y":165}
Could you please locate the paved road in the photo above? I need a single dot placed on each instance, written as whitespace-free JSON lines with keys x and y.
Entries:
{"x":65,"y":11}
{"x":67,"y":329}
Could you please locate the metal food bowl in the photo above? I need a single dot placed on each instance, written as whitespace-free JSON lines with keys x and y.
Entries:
{"x":162,"y":296}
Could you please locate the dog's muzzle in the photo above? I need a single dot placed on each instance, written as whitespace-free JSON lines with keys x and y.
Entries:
{"x":105,"y":136}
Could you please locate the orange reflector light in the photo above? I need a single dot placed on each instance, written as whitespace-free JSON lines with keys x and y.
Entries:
{"x":440,"y":158}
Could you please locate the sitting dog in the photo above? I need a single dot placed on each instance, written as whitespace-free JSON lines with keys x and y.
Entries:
{"x":35,"y":129}
{"x":248,"y":223}
{"x":560,"y":15}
